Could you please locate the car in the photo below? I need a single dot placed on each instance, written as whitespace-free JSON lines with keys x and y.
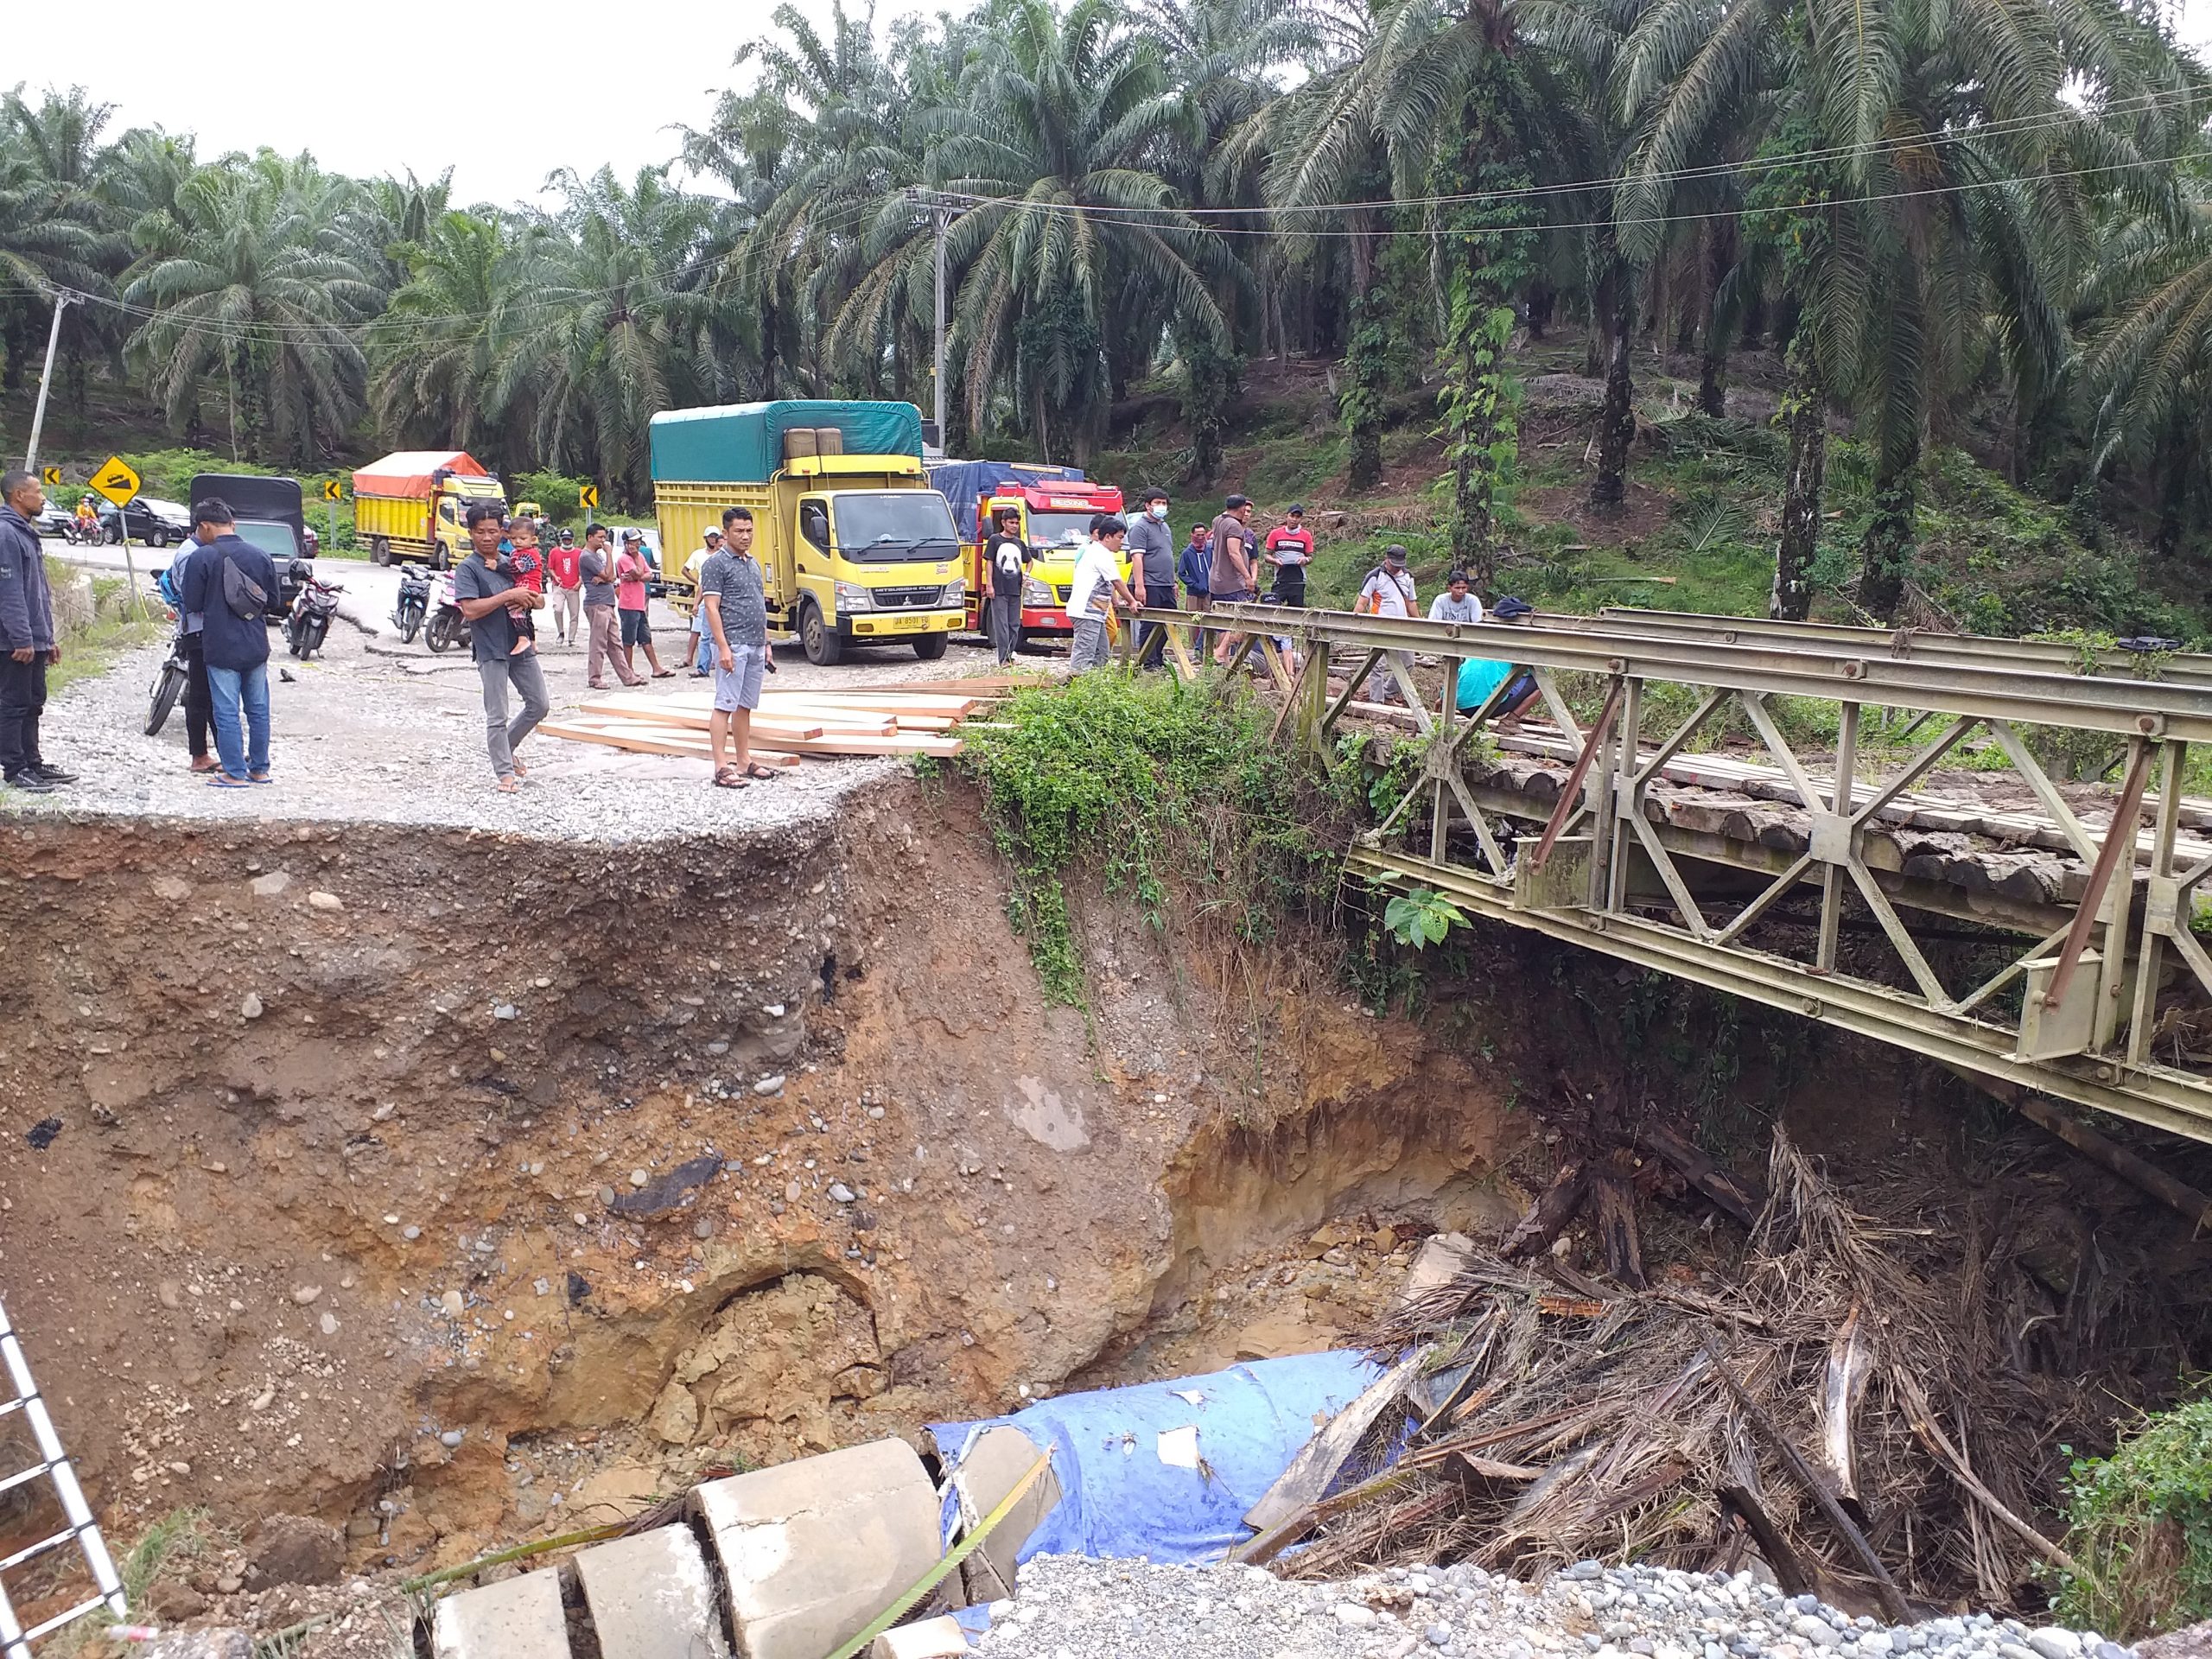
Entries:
{"x":146,"y":518}
{"x":55,"y":520}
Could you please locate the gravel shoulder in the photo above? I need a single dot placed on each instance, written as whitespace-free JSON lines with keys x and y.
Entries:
{"x":1073,"y":1608}
{"x":371,"y":731}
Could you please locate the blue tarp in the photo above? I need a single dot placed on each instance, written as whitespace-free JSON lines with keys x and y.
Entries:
{"x":962,"y":483}
{"x":1119,"y":1497}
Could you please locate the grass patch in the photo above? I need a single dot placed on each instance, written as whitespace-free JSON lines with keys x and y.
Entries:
{"x":164,"y":1550}
{"x":1167,"y":794}
{"x":2142,"y":1529}
{"x":114,"y":625}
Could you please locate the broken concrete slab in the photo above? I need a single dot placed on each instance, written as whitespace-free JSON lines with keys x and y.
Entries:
{"x":651,"y":1597}
{"x":932,"y":1638}
{"x":1436,"y":1265}
{"x":199,"y":1644}
{"x":520,"y":1619}
{"x":811,"y":1551}
{"x":994,"y":1463}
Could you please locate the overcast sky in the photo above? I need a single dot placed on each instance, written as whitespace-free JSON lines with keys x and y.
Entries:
{"x":503,"y":93}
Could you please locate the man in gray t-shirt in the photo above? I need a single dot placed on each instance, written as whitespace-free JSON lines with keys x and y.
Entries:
{"x":489,"y":598}
{"x":596,"y":566}
{"x":731,"y":597}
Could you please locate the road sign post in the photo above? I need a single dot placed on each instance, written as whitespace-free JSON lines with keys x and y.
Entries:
{"x":119,"y":481}
{"x":332,"y":491}
{"x":588,"y":497}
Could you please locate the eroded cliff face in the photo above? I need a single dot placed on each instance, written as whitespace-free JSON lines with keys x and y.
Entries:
{"x":439,"y":1185}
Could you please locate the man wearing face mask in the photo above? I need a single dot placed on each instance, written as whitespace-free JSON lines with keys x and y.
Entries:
{"x":1152,"y":572}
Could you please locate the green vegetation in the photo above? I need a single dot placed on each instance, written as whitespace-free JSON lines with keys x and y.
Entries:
{"x":1167,"y":794}
{"x":2141,"y":1529}
{"x":164,"y":1550}
{"x":1421,"y":918}
{"x":98,"y":623}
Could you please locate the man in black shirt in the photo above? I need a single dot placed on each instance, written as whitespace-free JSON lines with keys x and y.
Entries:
{"x":489,"y":598}
{"x":1006,"y":563}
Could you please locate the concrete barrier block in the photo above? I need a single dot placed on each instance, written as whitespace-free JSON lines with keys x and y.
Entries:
{"x":811,"y":1551}
{"x":933,"y":1638}
{"x":651,"y":1597}
{"x":520,"y":1619}
{"x":996,"y":1462}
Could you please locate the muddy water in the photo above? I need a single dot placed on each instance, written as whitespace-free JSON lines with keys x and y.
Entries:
{"x":449,"y":1188}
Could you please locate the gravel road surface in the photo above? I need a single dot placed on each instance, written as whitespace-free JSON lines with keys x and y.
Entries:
{"x":1071,"y":1608}
{"x":374,"y":731}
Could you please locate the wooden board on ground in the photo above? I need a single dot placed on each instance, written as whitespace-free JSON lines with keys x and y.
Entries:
{"x":660,"y":740}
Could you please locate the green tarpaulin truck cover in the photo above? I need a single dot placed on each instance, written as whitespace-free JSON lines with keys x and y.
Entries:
{"x":743,"y":444}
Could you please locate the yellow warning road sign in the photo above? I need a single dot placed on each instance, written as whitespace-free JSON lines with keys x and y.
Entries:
{"x":332,"y":491}
{"x":115,"y":481}
{"x":50,"y":475}
{"x":587,"y":497}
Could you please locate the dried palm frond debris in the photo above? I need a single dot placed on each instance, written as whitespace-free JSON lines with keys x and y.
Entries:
{"x":1850,"y":1403}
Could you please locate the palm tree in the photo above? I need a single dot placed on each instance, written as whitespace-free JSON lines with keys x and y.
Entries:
{"x":434,"y":348}
{"x":245,"y":282}
{"x":1069,"y":224}
{"x":55,"y":231}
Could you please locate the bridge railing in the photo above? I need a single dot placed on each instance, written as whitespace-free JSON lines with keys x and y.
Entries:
{"x":2068,"y":999}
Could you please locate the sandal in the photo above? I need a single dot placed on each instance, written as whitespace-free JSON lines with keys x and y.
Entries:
{"x":754,"y":769}
{"x":223,"y":780}
{"x":507,"y":786}
{"x":729,"y":778}
{"x":663,"y":674}
{"x":205,"y":763}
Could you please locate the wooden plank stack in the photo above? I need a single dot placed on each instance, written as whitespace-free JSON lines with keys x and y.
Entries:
{"x":909,"y":718}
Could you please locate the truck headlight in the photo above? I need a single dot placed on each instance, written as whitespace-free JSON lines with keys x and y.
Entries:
{"x":1035,"y":592}
{"x":956,"y":591}
{"x":852,"y":597}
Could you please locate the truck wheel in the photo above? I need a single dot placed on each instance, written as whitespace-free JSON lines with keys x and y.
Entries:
{"x":380,"y":552}
{"x":824,"y":648}
{"x":929,"y":647}
{"x":440,"y":559}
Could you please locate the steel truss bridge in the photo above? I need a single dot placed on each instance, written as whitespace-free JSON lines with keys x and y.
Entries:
{"x":2064,"y":994}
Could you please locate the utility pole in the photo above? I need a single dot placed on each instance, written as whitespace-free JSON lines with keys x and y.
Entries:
{"x":62,"y":299}
{"x":937,"y":373}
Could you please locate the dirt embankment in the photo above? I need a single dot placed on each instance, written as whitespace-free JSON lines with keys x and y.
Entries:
{"x":445,"y":1185}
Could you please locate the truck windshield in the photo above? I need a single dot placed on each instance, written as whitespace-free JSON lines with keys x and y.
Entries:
{"x":276,"y":540}
{"x":884,"y":525}
{"x":1060,"y":529}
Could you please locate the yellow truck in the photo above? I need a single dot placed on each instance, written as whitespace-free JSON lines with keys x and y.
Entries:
{"x":412,"y":504}
{"x":855,"y":548}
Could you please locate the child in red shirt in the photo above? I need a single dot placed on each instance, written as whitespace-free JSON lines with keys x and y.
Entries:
{"x":528,"y":570}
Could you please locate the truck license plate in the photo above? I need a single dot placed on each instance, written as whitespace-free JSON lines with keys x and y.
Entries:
{"x":907,"y":624}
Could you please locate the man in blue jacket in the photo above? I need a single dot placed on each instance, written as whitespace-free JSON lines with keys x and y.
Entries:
{"x":28,"y":645}
{"x":230,"y":583}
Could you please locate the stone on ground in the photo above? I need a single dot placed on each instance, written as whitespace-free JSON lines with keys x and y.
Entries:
{"x":520,"y":1619}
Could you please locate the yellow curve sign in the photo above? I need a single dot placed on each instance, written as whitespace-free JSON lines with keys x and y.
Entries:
{"x":115,"y":481}
{"x":332,"y":491}
{"x":50,"y":475}
{"x":587,"y":497}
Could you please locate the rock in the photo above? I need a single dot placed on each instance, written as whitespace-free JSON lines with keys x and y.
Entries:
{"x":1439,"y":1636}
{"x":328,"y":1324}
{"x":639,"y":1178}
{"x":321,"y":900}
{"x":2052,"y":1643}
{"x":169,"y":1294}
{"x":452,"y":1438}
{"x":840,"y":1194}
{"x":1806,"y":1627}
{"x":1582,"y":1570}
{"x":295,"y":1549}
{"x":454,"y":1303}
{"x":770,"y":1085}
{"x":172,"y":1602}
{"x":1354,"y":1615}
{"x":305,"y":1293}
{"x":270,"y":886}
{"x":792,"y":1190}
{"x":702,"y":1228}
{"x":251,"y":1008}
{"x":505,"y":1011}
{"x":170,"y":891}
{"x":198,"y":1644}
{"x":931,"y":1638}
{"x":675,"y":1417}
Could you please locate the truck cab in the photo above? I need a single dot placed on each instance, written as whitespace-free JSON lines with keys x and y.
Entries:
{"x":854,"y":548}
{"x":1056,"y":505}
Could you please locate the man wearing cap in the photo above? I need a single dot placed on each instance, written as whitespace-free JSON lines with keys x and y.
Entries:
{"x":1232,"y":579}
{"x":1480,"y":676}
{"x":631,"y":571}
{"x":1289,"y":550}
{"x":1390,"y":591}
{"x":701,"y":648}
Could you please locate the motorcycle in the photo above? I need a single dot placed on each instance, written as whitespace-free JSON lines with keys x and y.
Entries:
{"x":77,"y":533}
{"x":449,"y":628}
{"x":309,"y":623}
{"x":412,"y":605}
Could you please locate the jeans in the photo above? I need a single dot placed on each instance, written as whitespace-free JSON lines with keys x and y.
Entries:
{"x":240,"y":751}
{"x":1090,"y":651}
{"x":23,"y":700}
{"x":1002,"y":621}
{"x":1152,"y":637}
{"x":500,"y":735}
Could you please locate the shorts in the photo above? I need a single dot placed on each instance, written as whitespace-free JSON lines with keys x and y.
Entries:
{"x":1244,"y":598}
{"x":740,"y":687}
{"x":634,"y":631}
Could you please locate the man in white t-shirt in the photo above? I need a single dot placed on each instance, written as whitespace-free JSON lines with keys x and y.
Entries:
{"x":1097,"y":584}
{"x":1390,"y":591}
{"x":1457,"y":603}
